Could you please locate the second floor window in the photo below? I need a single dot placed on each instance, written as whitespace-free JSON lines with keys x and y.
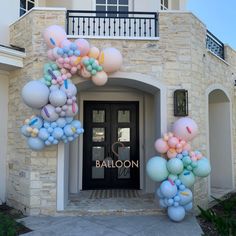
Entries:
{"x":26,"y":5}
{"x":112,"y":6}
{"x":164,"y":5}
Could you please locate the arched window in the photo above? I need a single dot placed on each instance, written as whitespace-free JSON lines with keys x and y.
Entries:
{"x":26,"y":5}
{"x":112,"y":6}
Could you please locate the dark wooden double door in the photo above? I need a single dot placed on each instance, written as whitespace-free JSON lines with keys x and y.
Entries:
{"x":105,"y":124}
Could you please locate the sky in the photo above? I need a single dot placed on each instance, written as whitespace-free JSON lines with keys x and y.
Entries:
{"x":219,"y":17}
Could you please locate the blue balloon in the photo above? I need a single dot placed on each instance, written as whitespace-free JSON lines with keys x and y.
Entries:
{"x":182,"y":187}
{"x":76,"y":124}
{"x":176,"y":214}
{"x":186,"y":196}
{"x":46,"y":125}
{"x":61,"y":122}
{"x":36,"y":122}
{"x":77,"y":53}
{"x":188,"y":207}
{"x":55,"y":141}
{"x":50,"y":139}
{"x":73,"y":46}
{"x":71,"y":138}
{"x":70,"y":53}
{"x":60,"y":51}
{"x":80,"y":131}
{"x":168,"y":189}
{"x":54,"y":125}
{"x":43,"y":134}
{"x":170,"y":202}
{"x":24,"y":131}
{"x":176,"y":204}
{"x":35,"y":144}
{"x":159,"y":194}
{"x":68,"y":130}
{"x":162,"y":203}
{"x":66,"y":49}
{"x":69,"y":119}
{"x":50,"y":130}
{"x":57,"y":133}
{"x":63,"y":137}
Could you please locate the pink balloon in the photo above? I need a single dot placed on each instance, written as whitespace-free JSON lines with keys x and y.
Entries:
{"x":171,"y":153}
{"x":73,"y":59}
{"x":54,"y":35}
{"x":94,"y":52}
{"x":83,"y":46}
{"x":73,"y":70}
{"x":173,"y":141}
{"x":187,"y":147}
{"x":100,"y":78}
{"x":84,"y":73}
{"x":60,"y":60}
{"x":50,"y":55}
{"x":110,"y":59}
{"x":65,"y":43}
{"x":185,"y":128}
{"x":161,"y":146}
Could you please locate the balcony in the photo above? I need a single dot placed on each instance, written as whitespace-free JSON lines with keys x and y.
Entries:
{"x":214,"y":45}
{"x":110,"y":24}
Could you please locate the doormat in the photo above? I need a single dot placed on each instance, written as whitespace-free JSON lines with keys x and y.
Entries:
{"x":114,"y":193}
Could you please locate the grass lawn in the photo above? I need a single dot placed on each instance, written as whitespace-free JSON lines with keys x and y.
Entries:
{"x":8,"y":224}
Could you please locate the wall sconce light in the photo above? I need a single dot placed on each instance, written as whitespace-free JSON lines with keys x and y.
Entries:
{"x":181,"y":102}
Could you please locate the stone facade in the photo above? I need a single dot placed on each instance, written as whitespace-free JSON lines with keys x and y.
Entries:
{"x":179,"y":59}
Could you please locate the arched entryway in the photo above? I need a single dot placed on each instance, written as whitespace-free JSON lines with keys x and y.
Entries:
{"x":220,"y":144}
{"x":150,"y":96}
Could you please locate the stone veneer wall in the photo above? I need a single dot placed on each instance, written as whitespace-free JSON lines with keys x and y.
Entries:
{"x":178,"y":60}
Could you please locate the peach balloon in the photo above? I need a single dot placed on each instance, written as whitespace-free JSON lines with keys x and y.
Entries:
{"x":94,"y":52}
{"x":187,"y":147}
{"x":84,"y":73}
{"x":166,"y":137}
{"x":83,"y":46}
{"x":100,"y":78}
{"x":50,"y":55}
{"x":185,"y":128}
{"x":173,"y":141}
{"x":54,"y":35}
{"x":161,"y":146}
{"x":171,"y":153}
{"x":179,"y":150}
{"x":110,"y":59}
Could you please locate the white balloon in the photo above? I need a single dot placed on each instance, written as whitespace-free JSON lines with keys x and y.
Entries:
{"x":71,"y":89}
{"x":57,"y":98}
{"x":70,"y":112}
{"x":49,"y":113}
{"x":35,"y":94}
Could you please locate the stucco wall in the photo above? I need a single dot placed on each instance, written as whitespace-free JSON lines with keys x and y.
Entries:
{"x":178,"y":60}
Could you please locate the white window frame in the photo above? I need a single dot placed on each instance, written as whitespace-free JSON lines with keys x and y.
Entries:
{"x":26,"y":9}
{"x":117,"y":5}
{"x":163,"y":7}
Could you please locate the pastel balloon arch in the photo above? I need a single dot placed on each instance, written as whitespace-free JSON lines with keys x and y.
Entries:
{"x":54,"y":95}
{"x":177,"y":168}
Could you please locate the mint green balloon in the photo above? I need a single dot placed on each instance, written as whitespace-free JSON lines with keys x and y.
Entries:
{"x":203,"y":168}
{"x":175,"y":166}
{"x":172,"y":177}
{"x":187,"y":178}
{"x":156,"y":169}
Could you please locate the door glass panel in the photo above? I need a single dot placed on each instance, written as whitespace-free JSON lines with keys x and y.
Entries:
{"x":98,"y":116}
{"x":124,"y":134}
{"x":124,"y":155}
{"x":124,"y":116}
{"x":98,"y":134}
{"x":98,"y":153}
{"x":97,"y":173}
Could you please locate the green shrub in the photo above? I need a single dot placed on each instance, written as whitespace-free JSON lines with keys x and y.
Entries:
{"x":8,"y":226}
{"x":223,"y":220}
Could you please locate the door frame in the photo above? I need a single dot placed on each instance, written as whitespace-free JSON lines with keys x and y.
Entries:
{"x":120,"y":97}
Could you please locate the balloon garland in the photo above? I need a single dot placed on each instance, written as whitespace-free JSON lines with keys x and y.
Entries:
{"x":177,"y":169}
{"x":55,"y":94}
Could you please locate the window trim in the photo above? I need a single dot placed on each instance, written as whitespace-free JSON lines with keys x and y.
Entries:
{"x":26,"y":9}
{"x":165,"y":8}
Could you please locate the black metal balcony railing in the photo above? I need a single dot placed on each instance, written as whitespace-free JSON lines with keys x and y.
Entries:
{"x":112,"y":24}
{"x":215,"y":45}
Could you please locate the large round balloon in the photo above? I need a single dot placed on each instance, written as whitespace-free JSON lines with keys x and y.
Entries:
{"x":187,"y":178}
{"x":35,"y":144}
{"x":43,"y":134}
{"x":161,"y":146}
{"x":100,"y":78}
{"x":57,"y":98}
{"x":175,"y":166}
{"x":49,"y":114}
{"x":54,"y":35}
{"x":156,"y":169}
{"x":176,"y":214}
{"x":185,"y":128}
{"x":83,"y":46}
{"x":35,"y":94}
{"x":110,"y":59}
{"x":186,"y":196}
{"x":168,"y":189}
{"x":203,"y":168}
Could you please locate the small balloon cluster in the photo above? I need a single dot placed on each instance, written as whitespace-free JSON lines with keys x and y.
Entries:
{"x":177,"y":169}
{"x":78,"y":57}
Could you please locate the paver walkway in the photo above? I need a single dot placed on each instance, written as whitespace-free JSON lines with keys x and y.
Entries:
{"x":154,"y":225}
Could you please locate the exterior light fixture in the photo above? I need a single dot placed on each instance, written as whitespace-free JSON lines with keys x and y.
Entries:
{"x":181,"y":102}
